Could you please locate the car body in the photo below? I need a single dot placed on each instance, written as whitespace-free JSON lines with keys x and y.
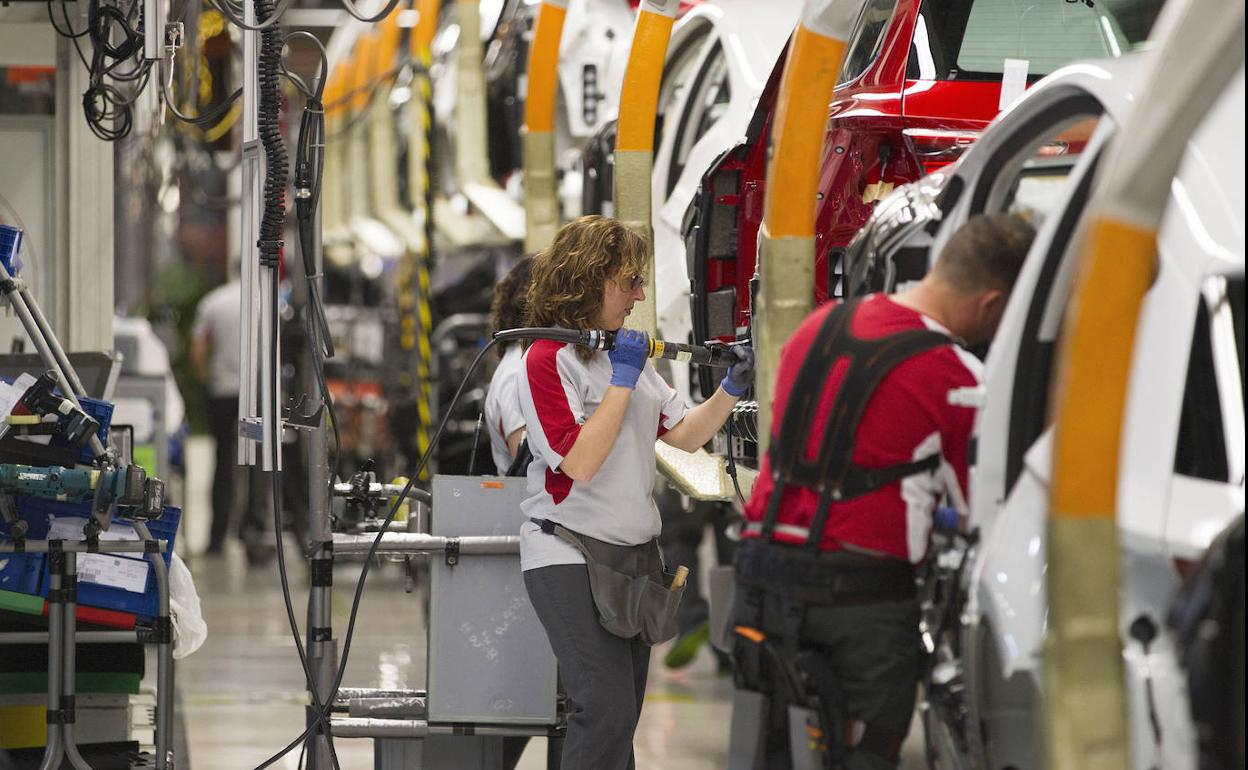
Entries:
{"x":593,"y":54}
{"x":921,"y":80}
{"x":1181,"y":478}
{"x":717,"y":65}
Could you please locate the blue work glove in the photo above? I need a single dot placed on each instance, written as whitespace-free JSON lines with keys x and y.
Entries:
{"x":628,"y":357}
{"x":741,"y":374}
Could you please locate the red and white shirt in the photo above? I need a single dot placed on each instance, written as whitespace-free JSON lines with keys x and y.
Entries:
{"x":558,"y":393}
{"x":907,"y":418}
{"x":502,"y":406}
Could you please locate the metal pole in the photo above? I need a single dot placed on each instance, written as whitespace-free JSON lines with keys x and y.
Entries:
{"x":84,"y":637}
{"x":45,"y":343}
{"x":70,"y":645}
{"x":321,"y":646}
{"x":249,"y":225}
{"x":164,"y":648}
{"x":414,"y":543}
{"x":53,"y":752}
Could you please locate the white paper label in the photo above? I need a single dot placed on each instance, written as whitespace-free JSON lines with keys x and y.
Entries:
{"x":105,"y":569}
{"x":70,"y":528}
{"x":1013,"y":81}
{"x":113,"y":571}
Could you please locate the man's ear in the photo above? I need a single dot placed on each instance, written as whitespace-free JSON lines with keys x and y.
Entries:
{"x":992,"y":303}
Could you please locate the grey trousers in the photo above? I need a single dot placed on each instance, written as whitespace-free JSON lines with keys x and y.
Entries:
{"x":604,"y":675}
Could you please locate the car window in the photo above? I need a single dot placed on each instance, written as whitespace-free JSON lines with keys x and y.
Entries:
{"x":707,"y":103}
{"x":1041,"y":184}
{"x":1201,"y":446}
{"x":677,"y":77}
{"x":866,"y":39}
{"x":971,"y":39}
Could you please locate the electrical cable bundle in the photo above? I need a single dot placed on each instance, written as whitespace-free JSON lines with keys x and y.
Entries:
{"x":116,"y":41}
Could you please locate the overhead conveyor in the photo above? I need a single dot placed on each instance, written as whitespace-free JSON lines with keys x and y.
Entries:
{"x":786,"y":255}
{"x":634,"y":141}
{"x":1200,"y":49}
{"x":541,"y":200}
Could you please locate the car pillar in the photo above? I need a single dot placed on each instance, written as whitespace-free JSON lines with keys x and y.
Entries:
{"x":634,"y":142}
{"x":472,"y":157}
{"x":541,"y":202}
{"x":786,"y":259}
{"x":1200,"y":47}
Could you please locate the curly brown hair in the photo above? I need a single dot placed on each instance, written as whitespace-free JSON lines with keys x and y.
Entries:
{"x":507,"y":307}
{"x":570,"y":275}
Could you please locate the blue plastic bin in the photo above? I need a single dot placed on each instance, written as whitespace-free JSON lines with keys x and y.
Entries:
{"x":24,"y":573}
{"x":144,"y":604}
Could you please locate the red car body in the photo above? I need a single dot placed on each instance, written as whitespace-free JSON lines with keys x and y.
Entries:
{"x":883,"y":126}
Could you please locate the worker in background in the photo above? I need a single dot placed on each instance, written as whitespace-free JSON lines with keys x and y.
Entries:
{"x":503,"y":418}
{"x":240,"y":494}
{"x":825,"y":603}
{"x":593,"y":418}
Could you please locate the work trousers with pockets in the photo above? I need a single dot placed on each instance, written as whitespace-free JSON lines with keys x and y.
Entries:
{"x":604,"y":675}
{"x":872,"y":654}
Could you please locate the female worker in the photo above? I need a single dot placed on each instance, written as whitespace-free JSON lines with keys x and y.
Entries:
{"x":593,"y":418}
{"x":502,"y":402}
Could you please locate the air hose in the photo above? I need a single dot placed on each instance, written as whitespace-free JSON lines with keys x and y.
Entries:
{"x":267,"y":123}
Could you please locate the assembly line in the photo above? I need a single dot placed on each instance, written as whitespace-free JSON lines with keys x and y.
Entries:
{"x":613,"y":384}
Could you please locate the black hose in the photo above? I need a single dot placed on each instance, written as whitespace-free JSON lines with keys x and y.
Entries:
{"x":275,"y":158}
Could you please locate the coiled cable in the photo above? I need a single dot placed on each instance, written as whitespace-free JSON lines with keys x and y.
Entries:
{"x":267,"y":121}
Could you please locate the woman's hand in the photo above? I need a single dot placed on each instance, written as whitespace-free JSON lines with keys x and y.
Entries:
{"x":741,"y":374}
{"x":628,"y":357}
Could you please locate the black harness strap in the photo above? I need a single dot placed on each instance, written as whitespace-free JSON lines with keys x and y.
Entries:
{"x":833,"y":474}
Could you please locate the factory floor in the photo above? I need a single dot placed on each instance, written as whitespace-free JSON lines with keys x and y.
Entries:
{"x":242,"y":693}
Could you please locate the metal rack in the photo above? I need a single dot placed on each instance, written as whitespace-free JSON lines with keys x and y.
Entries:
{"x":62,"y":638}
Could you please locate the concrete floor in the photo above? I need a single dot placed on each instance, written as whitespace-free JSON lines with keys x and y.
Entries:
{"x":243,"y":694}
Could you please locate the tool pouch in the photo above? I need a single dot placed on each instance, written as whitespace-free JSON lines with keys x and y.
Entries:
{"x":631,"y":588}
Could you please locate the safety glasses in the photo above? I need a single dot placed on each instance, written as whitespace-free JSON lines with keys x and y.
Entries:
{"x":631,"y":283}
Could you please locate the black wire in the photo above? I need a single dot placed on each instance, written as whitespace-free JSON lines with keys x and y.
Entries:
{"x":210,"y":116}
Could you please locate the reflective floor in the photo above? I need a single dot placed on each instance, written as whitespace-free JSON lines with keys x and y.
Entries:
{"x":243,"y":695}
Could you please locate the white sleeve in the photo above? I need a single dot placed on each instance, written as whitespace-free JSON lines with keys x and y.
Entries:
{"x":673,"y":407}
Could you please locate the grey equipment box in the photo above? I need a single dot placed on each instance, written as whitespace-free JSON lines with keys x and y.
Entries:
{"x":489,"y":658}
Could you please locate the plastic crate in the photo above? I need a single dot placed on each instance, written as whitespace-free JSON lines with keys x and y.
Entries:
{"x":23,"y":573}
{"x":120,"y":573}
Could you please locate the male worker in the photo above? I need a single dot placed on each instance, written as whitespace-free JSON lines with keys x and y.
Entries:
{"x":825,"y":606}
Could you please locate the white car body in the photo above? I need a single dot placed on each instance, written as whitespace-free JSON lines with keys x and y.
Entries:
{"x":597,"y":34}
{"x":738,"y":41}
{"x":1164,"y":516}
